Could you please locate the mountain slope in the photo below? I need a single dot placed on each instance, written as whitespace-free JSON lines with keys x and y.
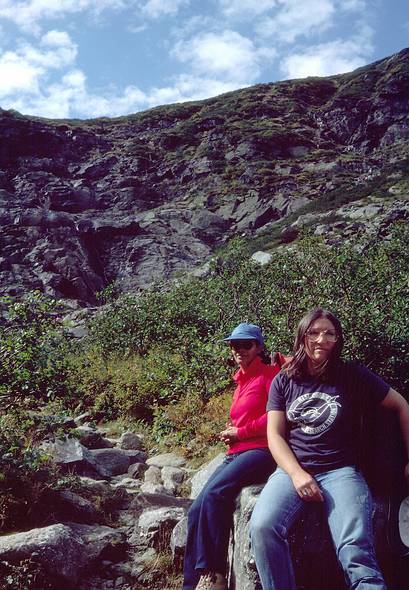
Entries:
{"x":140,"y":198}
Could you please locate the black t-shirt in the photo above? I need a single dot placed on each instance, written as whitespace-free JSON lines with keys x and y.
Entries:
{"x":321,"y":417}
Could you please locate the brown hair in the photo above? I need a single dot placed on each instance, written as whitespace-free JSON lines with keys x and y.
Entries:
{"x":297,"y":367}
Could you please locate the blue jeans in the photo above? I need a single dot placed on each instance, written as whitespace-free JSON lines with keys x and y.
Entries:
{"x":348,"y":507}
{"x":211,"y":514}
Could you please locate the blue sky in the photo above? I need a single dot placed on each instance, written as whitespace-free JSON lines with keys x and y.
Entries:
{"x":89,"y":58}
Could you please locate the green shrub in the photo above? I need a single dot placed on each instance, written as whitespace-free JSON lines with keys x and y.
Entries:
{"x":32,"y":352}
{"x":25,"y":575}
{"x":25,"y":472}
{"x":158,"y":356}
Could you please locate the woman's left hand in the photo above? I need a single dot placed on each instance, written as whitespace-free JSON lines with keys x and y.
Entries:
{"x":229,"y":435}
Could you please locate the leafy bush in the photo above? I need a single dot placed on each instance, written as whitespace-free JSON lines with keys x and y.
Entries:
{"x":32,"y":352}
{"x":159,"y":355}
{"x":26,"y":575}
{"x":25,"y":473}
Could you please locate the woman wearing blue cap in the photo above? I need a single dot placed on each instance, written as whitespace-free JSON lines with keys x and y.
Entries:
{"x":248,"y":462}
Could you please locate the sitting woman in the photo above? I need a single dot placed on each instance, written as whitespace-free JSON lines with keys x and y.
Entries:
{"x":311,"y":407}
{"x":248,"y":461}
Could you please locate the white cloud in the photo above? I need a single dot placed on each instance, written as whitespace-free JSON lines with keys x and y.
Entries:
{"x":245,"y":9}
{"x":43,"y":80}
{"x":17,"y":74}
{"x":136,"y":29}
{"x":228,"y":55}
{"x":157,"y":8}
{"x":353,"y":5}
{"x":189,"y":87}
{"x":56,"y":51}
{"x":192,"y":25}
{"x":27,"y":14}
{"x":25,"y":68}
{"x":297,"y":18}
{"x":70,"y":97}
{"x":326,"y":59}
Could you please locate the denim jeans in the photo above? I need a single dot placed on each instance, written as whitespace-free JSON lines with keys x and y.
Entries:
{"x":348,"y":507}
{"x":211,"y":514}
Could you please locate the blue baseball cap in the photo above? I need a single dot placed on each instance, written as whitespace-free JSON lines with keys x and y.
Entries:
{"x":246,"y":331}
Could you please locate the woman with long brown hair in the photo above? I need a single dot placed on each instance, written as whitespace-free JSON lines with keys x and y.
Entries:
{"x":312,"y":408}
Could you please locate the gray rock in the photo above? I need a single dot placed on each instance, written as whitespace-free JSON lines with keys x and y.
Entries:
{"x":153,"y":475}
{"x":159,"y":521}
{"x":310,"y":544}
{"x":297,"y":151}
{"x":70,"y":453}
{"x":404,"y":521}
{"x":92,"y":438}
{"x":147,"y":500}
{"x":94,"y":485}
{"x":128,"y":483}
{"x":65,"y":551}
{"x":131,"y":441}
{"x":82,"y":418}
{"x":109,"y":462}
{"x":169,"y":459}
{"x":244,"y":573}
{"x":321,"y":230}
{"x":73,"y":507}
{"x":178,"y":540}
{"x":77,"y":331}
{"x":66,"y":451}
{"x":202,"y":271}
{"x":365,"y":212}
{"x":201,"y":477}
{"x":135,"y":456}
{"x":137,"y":470}
{"x":261,"y":258}
{"x":148,"y":487}
{"x":142,"y":559}
{"x":60,"y":551}
{"x":172,"y":478}
{"x":101,"y":542}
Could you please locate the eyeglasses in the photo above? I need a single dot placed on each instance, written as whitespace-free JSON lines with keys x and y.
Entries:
{"x":313,"y":335}
{"x":243,"y":344}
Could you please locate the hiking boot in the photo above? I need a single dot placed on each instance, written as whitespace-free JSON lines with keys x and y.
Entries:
{"x":212,"y":581}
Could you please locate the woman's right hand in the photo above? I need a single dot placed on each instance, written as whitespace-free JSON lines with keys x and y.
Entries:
{"x":306,"y":487}
{"x":229,"y":434}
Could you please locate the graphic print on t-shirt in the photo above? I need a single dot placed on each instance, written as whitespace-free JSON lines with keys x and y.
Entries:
{"x":314,"y":412}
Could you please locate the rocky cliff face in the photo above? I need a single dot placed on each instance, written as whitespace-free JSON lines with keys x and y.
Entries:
{"x":140,"y":198}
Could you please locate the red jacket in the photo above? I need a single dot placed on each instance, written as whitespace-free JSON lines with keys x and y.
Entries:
{"x":248,"y":409}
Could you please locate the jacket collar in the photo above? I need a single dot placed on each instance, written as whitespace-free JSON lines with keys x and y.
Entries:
{"x":251,"y":371}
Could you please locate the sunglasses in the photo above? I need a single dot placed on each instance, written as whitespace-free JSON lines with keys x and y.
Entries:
{"x":242,"y":344}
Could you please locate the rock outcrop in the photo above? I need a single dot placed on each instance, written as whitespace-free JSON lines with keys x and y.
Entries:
{"x":113,"y":526}
{"x":119,"y":522}
{"x":137,"y":199}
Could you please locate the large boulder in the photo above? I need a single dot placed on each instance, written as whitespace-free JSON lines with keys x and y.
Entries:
{"x":201,"y":477}
{"x":69,"y":453}
{"x":110,"y":462}
{"x":314,"y":559}
{"x":313,"y":555}
{"x":166,"y":459}
{"x":65,"y":551}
